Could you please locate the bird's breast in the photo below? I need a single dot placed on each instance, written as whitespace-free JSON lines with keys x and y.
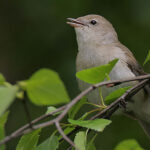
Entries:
{"x":96,"y":57}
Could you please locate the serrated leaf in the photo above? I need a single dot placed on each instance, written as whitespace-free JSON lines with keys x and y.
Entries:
{"x":96,"y":74}
{"x":29,"y":141}
{"x":80,"y":140}
{"x":3,"y":120}
{"x":2,"y":79}
{"x":7,"y":95}
{"x":147,"y":58}
{"x":51,"y":143}
{"x":73,"y":111}
{"x":97,"y":124}
{"x":128,"y":145}
{"x":67,"y":131}
{"x":115,"y":94}
{"x":46,"y":88}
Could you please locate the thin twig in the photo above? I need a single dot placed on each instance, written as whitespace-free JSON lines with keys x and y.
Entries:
{"x":69,"y":148}
{"x":65,"y":108}
{"x":126,"y":95}
{"x":115,"y":105}
{"x":20,"y":131}
{"x":63,"y":134}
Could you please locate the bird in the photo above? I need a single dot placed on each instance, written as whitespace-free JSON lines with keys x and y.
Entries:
{"x":98,"y":44}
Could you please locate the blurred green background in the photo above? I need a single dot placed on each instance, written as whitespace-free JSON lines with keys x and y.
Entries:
{"x":34,"y":34}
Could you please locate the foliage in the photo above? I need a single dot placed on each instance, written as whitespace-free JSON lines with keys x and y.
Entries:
{"x":80,"y":140}
{"x":3,"y":120}
{"x":67,"y":131}
{"x":116,"y":94}
{"x":45,"y":88}
{"x":2,"y":79}
{"x":97,"y":124}
{"x":7,"y":96}
{"x":147,"y":58}
{"x":29,"y":141}
{"x":42,"y":87}
{"x":50,"y":144}
{"x":128,"y":145}
{"x":96,"y":74}
{"x":73,"y":111}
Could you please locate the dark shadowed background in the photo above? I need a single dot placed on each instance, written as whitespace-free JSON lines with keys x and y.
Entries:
{"x":34,"y":35}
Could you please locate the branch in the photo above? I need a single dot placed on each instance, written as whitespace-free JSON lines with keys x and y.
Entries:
{"x":109,"y":110}
{"x":20,"y":131}
{"x":128,"y":94}
{"x":63,"y":134}
{"x":26,"y":128}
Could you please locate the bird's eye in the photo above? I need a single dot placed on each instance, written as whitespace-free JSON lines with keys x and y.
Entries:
{"x":93,"y":22}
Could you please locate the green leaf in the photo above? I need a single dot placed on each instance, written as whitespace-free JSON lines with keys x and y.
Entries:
{"x":115,"y":94}
{"x":2,"y":79}
{"x":90,"y":145}
{"x":46,"y":88}
{"x":50,"y":109}
{"x":29,"y":141}
{"x":51,"y":143}
{"x":80,"y":140}
{"x":3,"y":120}
{"x":108,"y":77}
{"x":147,"y":58}
{"x":97,"y":124}
{"x":96,"y":74}
{"x":67,"y":131}
{"x":128,"y":145}
{"x":7,"y":95}
{"x":73,"y":111}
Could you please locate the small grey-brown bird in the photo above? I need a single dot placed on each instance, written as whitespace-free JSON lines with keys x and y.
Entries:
{"x":98,"y":44}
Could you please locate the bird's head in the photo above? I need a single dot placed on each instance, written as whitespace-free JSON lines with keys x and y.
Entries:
{"x":93,"y":29}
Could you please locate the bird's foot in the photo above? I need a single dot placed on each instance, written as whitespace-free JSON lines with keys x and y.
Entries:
{"x":110,"y":85}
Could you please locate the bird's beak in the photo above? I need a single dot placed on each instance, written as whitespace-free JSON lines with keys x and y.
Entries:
{"x":75,"y":23}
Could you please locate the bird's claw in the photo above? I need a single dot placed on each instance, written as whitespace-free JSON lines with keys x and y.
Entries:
{"x":109,"y":85}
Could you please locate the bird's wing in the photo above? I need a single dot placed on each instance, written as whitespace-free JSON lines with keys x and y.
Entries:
{"x":131,"y":61}
{"x":134,"y":65}
{"x":137,"y":70}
